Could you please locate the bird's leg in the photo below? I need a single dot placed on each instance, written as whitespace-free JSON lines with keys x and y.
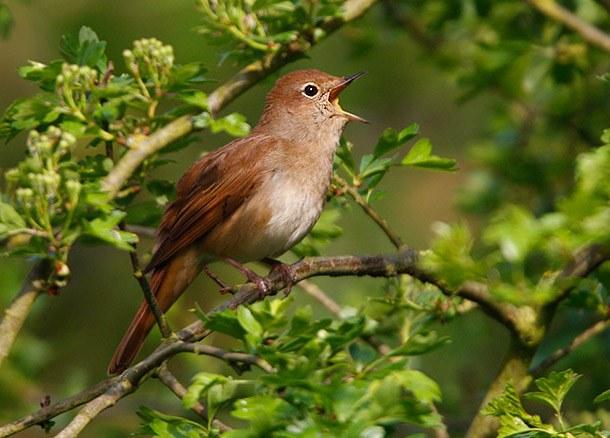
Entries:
{"x":252,"y":276}
{"x":224,"y":287}
{"x":283,"y":270}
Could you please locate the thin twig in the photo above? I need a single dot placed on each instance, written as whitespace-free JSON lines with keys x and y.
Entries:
{"x":370,"y":211}
{"x":150,"y":298}
{"x":557,"y":355}
{"x":587,"y":31}
{"x":18,"y":310}
{"x":314,"y":291}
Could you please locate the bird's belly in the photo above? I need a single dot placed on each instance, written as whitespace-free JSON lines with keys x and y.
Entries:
{"x":276,"y":218}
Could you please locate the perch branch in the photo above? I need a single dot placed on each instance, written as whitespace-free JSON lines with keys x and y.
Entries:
{"x":109,"y":391}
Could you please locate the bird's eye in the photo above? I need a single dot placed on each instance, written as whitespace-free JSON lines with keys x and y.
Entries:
{"x":310,"y":90}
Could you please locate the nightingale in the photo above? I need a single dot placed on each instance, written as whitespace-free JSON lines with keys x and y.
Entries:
{"x":251,"y":199}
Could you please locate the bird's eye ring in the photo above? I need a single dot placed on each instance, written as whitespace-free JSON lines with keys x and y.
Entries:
{"x":310,"y":90}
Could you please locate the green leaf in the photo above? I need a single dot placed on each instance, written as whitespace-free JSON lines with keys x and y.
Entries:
{"x":234,"y":124}
{"x":423,"y":387}
{"x":157,"y":424}
{"x":421,"y":155}
{"x":508,"y":404}
{"x":84,"y":48}
{"x":604,"y":396}
{"x":391,"y":139}
{"x":553,"y":388}
{"x":104,"y":229}
{"x":44,"y":75}
{"x":224,"y":322}
{"x":248,"y":322}
{"x":9,"y":218}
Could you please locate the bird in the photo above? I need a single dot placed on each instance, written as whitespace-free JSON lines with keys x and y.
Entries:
{"x":251,"y":199}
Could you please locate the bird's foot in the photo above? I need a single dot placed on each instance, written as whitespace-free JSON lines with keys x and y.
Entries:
{"x":284,"y":271}
{"x":253,"y":277}
{"x":225,"y":288}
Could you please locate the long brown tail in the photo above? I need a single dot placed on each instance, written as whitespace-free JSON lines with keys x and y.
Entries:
{"x":167,"y":284}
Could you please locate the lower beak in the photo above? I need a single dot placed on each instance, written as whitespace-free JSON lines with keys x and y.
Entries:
{"x":333,"y":96}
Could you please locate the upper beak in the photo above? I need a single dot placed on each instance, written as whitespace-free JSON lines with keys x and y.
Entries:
{"x":333,"y":96}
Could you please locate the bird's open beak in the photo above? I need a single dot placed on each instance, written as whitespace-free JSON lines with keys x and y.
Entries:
{"x":333,"y":96}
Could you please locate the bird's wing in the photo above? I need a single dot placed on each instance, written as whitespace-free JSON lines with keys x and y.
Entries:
{"x":209,"y":193}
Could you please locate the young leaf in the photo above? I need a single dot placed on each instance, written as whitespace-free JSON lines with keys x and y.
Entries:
{"x":84,"y":48}
{"x":553,"y":389}
{"x":421,"y":155}
{"x":604,"y":396}
{"x":248,"y":322}
{"x":9,"y":218}
{"x":391,"y":139}
{"x":157,"y":424}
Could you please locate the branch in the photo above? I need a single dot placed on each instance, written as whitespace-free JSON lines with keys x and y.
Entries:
{"x":150,"y":298}
{"x":366,"y":207}
{"x":314,"y":291}
{"x":403,"y":262}
{"x":109,"y":391}
{"x":595,"y":329}
{"x":588,"y":32}
{"x":18,"y":310}
{"x":584,"y":262}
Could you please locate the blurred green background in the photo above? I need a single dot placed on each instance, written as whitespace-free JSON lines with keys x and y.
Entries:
{"x":68,"y":339}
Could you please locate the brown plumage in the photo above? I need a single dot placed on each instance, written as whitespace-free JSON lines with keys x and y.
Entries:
{"x":253,"y":198}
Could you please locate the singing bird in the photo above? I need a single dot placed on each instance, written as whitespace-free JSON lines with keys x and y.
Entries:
{"x":251,"y":199}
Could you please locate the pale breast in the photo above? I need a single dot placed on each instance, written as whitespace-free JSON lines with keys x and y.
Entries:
{"x":273,"y":220}
{"x":294,"y":211}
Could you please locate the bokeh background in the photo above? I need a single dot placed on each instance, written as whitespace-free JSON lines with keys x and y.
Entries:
{"x":68,"y":339}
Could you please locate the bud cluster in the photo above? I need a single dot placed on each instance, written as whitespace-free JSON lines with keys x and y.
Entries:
{"x":150,"y":61}
{"x":44,"y":189}
{"x":74,"y":85}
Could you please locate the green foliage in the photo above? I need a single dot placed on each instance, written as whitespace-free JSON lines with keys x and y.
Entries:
{"x":373,"y":167}
{"x":53,"y":197}
{"x":521,"y":248}
{"x":250,"y":28}
{"x":515,"y":421}
{"x":157,"y":424}
{"x":326,"y":380}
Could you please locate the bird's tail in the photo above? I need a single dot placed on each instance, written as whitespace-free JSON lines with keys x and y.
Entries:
{"x":167,"y":282}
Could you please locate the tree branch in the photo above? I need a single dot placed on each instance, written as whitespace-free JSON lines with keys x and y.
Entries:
{"x":150,"y":298}
{"x":18,"y":310}
{"x":314,"y":291}
{"x":370,"y":211}
{"x":109,"y":391}
{"x":587,"y":31}
{"x":557,"y":355}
